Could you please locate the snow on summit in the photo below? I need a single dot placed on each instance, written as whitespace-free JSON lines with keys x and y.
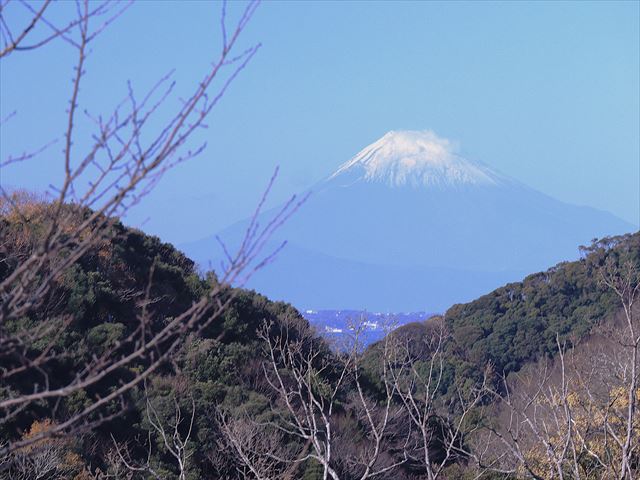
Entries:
{"x":416,"y":158}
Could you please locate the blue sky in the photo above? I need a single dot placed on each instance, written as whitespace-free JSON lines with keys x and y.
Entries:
{"x":546,"y":92}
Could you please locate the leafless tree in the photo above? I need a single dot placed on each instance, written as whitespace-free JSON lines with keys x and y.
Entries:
{"x":624,"y":281}
{"x":259,"y":451}
{"x":310,"y":383}
{"x":576,"y":417}
{"x":540,"y":434}
{"x":48,"y":459}
{"x":38,"y":28}
{"x":174,"y":442}
{"x":45,"y":462}
{"x":127,"y":157}
{"x":416,"y":368}
{"x":308,"y":395}
{"x":115,"y":468}
{"x":175,"y":436}
{"x":406,"y":422}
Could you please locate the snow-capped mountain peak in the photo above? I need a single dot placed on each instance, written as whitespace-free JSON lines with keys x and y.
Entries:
{"x":416,"y":158}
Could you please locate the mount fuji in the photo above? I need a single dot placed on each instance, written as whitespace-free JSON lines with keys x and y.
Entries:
{"x":407,"y":224}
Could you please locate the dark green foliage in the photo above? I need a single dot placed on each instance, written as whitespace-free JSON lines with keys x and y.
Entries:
{"x":313,"y":471}
{"x":95,"y":304}
{"x":519,"y":322}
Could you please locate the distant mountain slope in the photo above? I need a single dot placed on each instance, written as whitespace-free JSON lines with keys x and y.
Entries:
{"x":408,"y":220}
{"x":317,"y":281}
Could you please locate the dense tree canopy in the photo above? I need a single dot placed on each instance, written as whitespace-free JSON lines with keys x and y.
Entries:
{"x":220,"y":373}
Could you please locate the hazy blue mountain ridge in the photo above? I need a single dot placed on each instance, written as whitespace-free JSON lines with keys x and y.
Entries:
{"x":407,"y":224}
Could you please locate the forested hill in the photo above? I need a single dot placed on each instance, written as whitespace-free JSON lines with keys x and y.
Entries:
{"x":93,"y":308}
{"x":220,"y":385}
{"x":519,"y":322}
